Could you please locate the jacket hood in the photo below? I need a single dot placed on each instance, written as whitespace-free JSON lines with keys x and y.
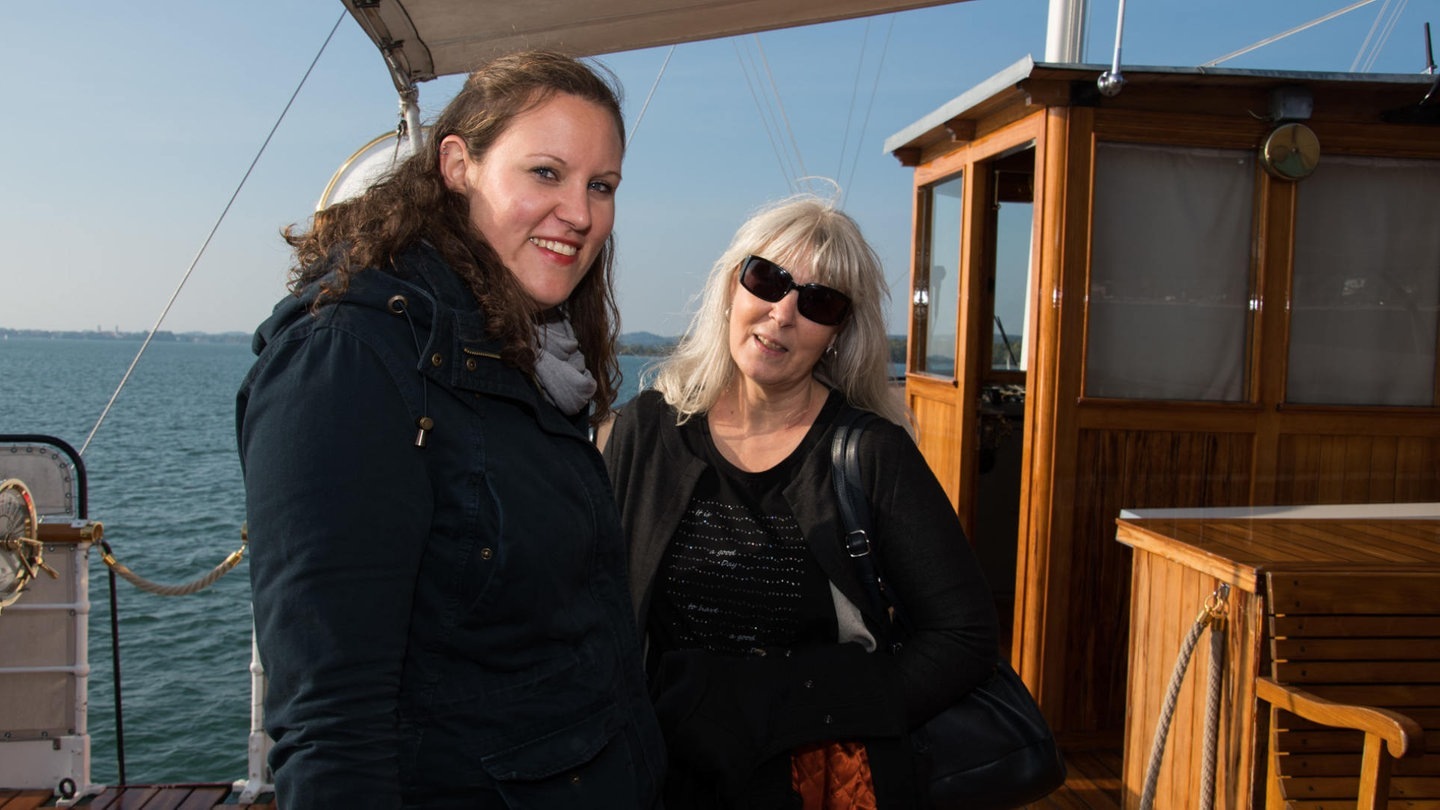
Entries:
{"x":429,"y":291}
{"x":444,"y":328}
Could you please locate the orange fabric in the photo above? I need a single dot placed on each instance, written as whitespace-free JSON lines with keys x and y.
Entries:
{"x":833,"y":776}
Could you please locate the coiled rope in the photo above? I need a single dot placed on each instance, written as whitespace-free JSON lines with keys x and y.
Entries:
{"x":1212,"y":615}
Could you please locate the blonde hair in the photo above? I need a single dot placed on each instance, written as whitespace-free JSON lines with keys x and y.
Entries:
{"x":805,"y":231}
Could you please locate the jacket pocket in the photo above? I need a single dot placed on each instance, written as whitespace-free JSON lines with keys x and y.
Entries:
{"x":592,"y":763}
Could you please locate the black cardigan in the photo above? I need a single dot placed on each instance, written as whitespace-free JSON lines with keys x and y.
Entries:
{"x":837,"y":692}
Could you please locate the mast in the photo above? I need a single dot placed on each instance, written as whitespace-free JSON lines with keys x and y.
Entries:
{"x":1065,"y":31}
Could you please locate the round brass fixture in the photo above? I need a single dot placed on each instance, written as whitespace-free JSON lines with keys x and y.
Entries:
{"x":1290,"y":152}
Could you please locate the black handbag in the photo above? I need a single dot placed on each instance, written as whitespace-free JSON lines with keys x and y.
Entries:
{"x":992,"y":749}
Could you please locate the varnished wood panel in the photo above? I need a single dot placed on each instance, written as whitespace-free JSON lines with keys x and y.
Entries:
{"x":1130,"y":469}
{"x":968,"y":352}
{"x":1243,"y":547}
{"x":1086,"y":459}
{"x":1178,"y":129}
{"x":1414,"y":141}
{"x":1042,"y":620}
{"x":940,"y":160}
{"x":1229,"y":132}
{"x":1332,"y":634}
{"x":1357,"y":469}
{"x":1178,"y":561}
{"x":1166,"y":598}
{"x":1190,"y":97}
{"x":934,"y":404}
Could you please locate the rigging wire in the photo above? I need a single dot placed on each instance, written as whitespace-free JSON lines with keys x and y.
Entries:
{"x":195,"y":261}
{"x":1384,"y":38}
{"x":1268,"y":40}
{"x":1369,"y":36}
{"x":786,"y":170}
{"x":780,"y":105}
{"x":760,"y":109}
{"x":870,"y":106}
{"x":643,"y":107}
{"x":854,"y":91}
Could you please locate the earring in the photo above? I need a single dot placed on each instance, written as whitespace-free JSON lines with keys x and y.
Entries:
{"x":831,"y":352}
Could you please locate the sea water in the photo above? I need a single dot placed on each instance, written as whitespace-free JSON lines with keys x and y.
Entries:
{"x":164,"y":479}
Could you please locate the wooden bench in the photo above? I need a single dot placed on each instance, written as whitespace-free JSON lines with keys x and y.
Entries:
{"x":1355,"y":692}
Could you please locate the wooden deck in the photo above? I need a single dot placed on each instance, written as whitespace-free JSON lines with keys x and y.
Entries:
{"x":141,"y":797}
{"x":1093,"y":783}
{"x":1092,"y":779}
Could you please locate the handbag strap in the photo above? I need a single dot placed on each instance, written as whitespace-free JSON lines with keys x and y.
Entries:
{"x":858,"y":542}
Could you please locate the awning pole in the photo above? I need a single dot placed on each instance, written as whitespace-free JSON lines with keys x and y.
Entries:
{"x":1112,"y":80}
{"x":410,"y":110}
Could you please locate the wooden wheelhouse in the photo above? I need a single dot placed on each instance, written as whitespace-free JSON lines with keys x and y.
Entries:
{"x":1215,"y":288}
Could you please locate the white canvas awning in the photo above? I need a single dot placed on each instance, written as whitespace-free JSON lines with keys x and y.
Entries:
{"x":422,"y":39}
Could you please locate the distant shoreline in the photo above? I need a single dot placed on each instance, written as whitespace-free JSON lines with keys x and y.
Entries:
{"x":96,"y":334}
{"x":638,"y":343}
{"x":644,"y":344}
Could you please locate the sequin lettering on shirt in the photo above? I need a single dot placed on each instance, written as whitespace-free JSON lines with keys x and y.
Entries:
{"x":735,"y":577}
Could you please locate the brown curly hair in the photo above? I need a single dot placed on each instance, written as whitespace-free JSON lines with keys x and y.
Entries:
{"x":412,"y":203}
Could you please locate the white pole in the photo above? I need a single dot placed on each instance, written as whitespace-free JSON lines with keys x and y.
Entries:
{"x":1065,"y":31}
{"x":258,"y":778}
{"x":410,"y":109}
{"x":1112,"y":80}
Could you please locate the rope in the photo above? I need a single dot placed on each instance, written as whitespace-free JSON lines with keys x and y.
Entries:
{"x":1212,"y":615}
{"x":1212,"y":713}
{"x":225,"y":567}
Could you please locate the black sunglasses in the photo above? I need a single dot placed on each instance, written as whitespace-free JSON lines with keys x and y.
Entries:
{"x":769,"y":281}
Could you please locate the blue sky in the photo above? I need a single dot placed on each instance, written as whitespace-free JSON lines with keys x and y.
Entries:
{"x":132,"y":123}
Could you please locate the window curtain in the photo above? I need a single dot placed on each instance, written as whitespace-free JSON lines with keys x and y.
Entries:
{"x":1366,"y":283}
{"x":1168,"y":312}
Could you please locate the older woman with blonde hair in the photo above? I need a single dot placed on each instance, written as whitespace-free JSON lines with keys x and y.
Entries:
{"x":761,"y":643}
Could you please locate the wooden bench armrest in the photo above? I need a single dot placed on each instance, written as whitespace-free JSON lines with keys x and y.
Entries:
{"x":1403,"y":736}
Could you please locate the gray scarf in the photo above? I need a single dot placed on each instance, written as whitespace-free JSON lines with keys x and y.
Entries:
{"x":560,"y":368}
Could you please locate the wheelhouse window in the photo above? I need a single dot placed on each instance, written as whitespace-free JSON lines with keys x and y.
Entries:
{"x":935,"y":300}
{"x":1014,"y":211}
{"x":1169,"y":306}
{"x":1366,"y":284}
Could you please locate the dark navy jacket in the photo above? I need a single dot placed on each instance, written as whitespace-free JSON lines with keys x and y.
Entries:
{"x":446,"y":625}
